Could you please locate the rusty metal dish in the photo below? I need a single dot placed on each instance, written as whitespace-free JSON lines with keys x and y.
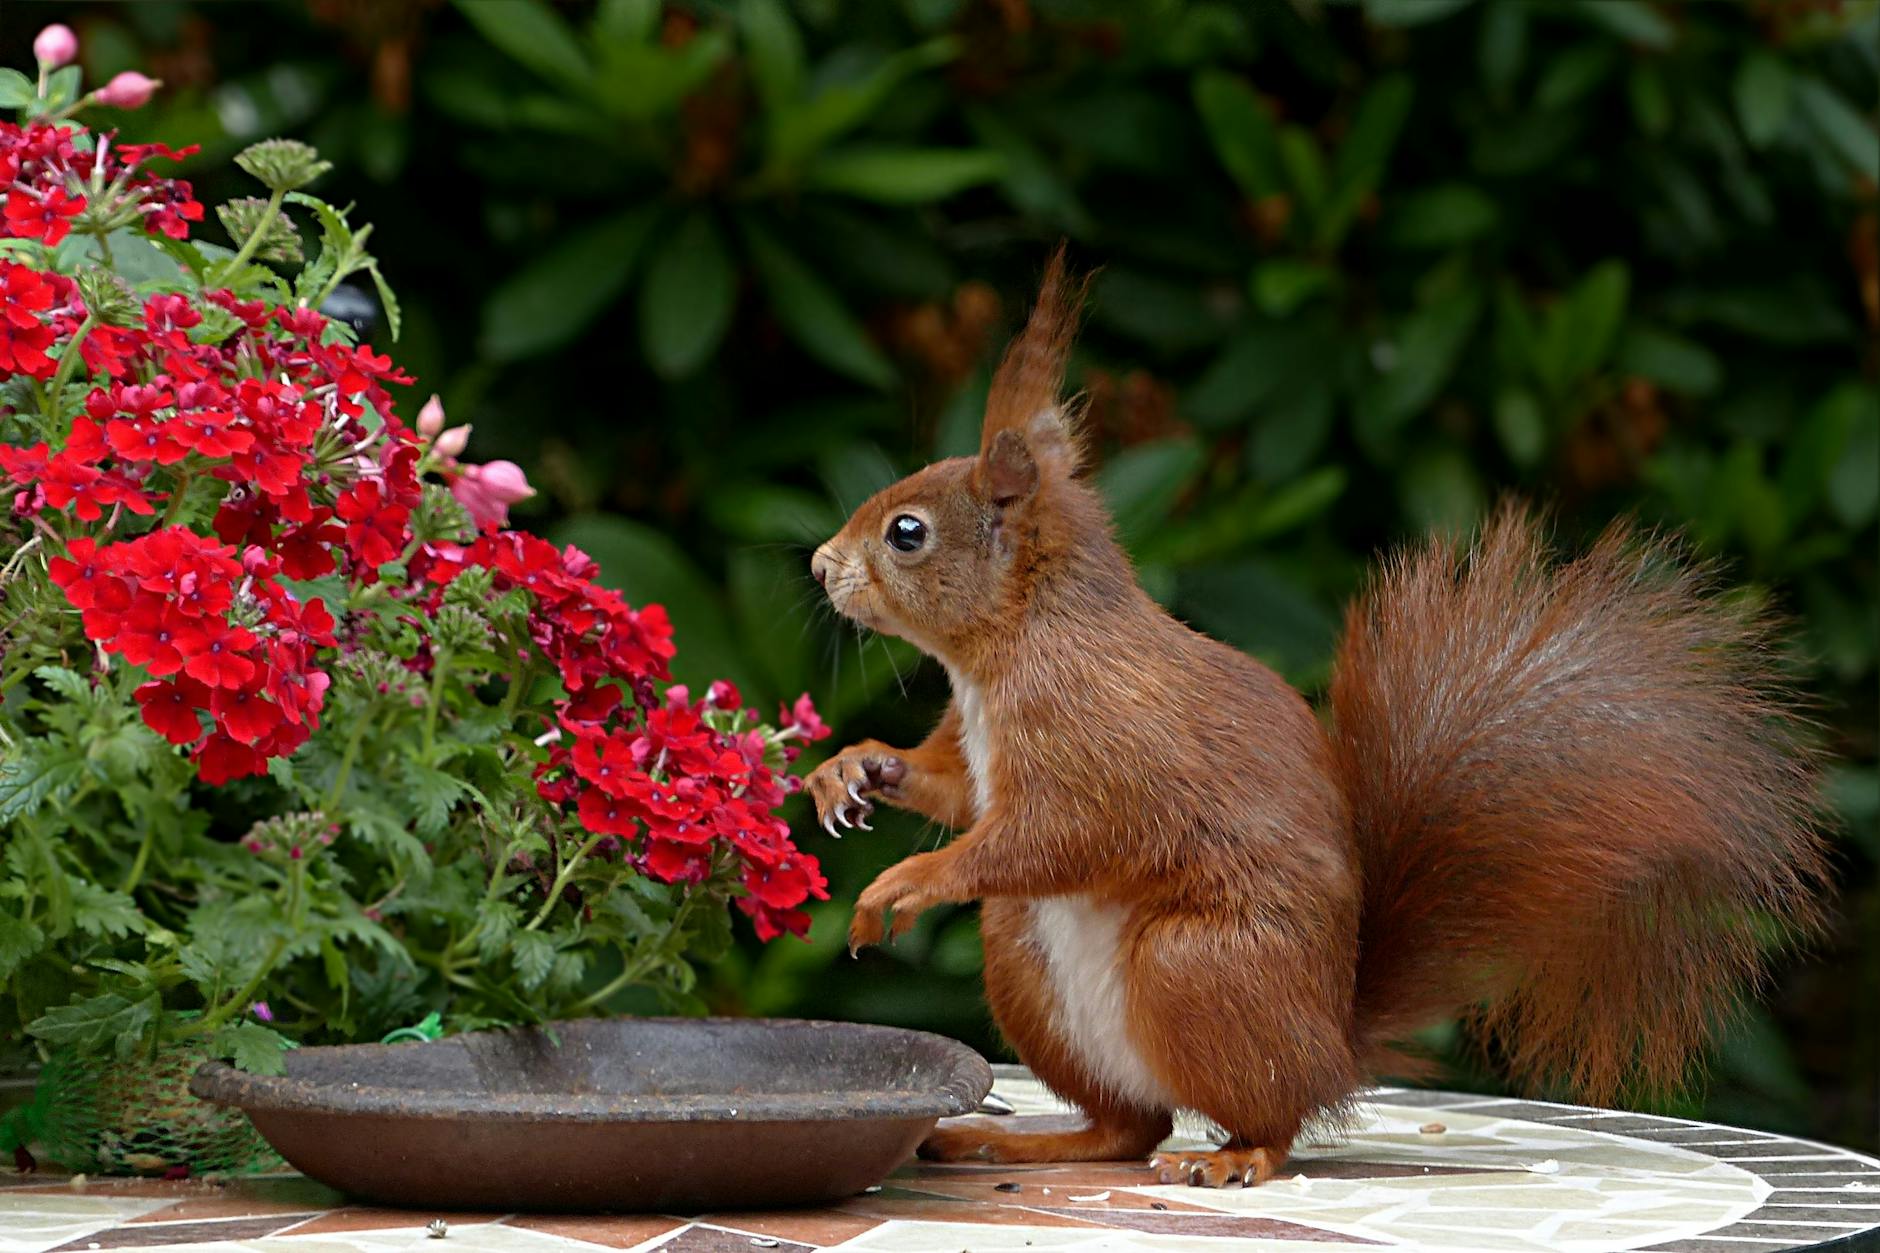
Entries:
{"x":611,"y":1114}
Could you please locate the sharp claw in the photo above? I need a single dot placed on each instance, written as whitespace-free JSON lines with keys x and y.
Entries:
{"x":855,"y":793}
{"x":862,"y":825}
{"x":842,"y":815}
{"x":829,"y":825}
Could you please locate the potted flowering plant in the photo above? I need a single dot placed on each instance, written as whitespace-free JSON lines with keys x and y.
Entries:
{"x":297,"y":741}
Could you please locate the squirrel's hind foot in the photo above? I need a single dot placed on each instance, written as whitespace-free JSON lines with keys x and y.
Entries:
{"x":1218,"y":1168}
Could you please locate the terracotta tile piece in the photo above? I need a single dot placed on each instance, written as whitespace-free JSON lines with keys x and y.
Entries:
{"x":149,"y":1235}
{"x":818,"y":1227}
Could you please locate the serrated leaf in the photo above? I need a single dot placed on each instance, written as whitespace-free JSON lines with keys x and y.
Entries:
{"x":252,"y":1047}
{"x":67,"y":683}
{"x":431,"y":794}
{"x":101,"y":911}
{"x":394,"y":316}
{"x":496,"y":922}
{"x":97,"y":1021}
{"x":35,"y":773}
{"x":533,"y":956}
{"x":19,"y":940}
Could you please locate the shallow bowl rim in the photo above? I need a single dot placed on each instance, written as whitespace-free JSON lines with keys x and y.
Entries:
{"x":961,"y":1078}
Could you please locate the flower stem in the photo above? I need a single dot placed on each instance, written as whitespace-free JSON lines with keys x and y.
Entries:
{"x":136,"y":871}
{"x":68,"y":362}
{"x":440,"y":669}
{"x":561,"y":882}
{"x":210,"y":1021}
{"x":230,"y":268}
{"x":346,"y":760}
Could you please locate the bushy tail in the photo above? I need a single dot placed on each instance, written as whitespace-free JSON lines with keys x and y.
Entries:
{"x":1581,"y":800}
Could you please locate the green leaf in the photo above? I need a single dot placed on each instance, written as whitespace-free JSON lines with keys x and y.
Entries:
{"x":1581,"y":328}
{"x":34,"y":773}
{"x":394,"y":316}
{"x":814,"y":315}
{"x":1419,"y":362}
{"x":252,"y":1047}
{"x":1282,"y":285}
{"x":16,"y":90}
{"x":533,"y":955}
{"x":1848,"y":134}
{"x":1519,"y":423}
{"x":102,"y":912}
{"x":1442,"y":491}
{"x":1142,"y":483}
{"x":903,"y":175}
{"x":535,"y":36}
{"x":97,"y":1021}
{"x":554,"y":298}
{"x":1503,"y":48}
{"x":431,"y":795}
{"x":1574,"y":74}
{"x":1854,"y":487}
{"x":687,"y":301}
{"x":1671,"y":361}
{"x":774,"y":51}
{"x":70,"y":684}
{"x":1442,"y":217}
{"x":1359,"y":165}
{"x":1764,"y":92}
{"x":1631,"y":20}
{"x":1242,"y":132}
{"x":19,"y":940}
{"x":1411,"y":12}
{"x":1650,"y":97}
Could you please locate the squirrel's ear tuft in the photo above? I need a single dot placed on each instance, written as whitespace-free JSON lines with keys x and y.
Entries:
{"x":1027,"y":392}
{"x":1007,"y":472}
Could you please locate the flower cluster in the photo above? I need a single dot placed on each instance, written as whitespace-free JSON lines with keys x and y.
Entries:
{"x":58,"y":181}
{"x":209,"y":450}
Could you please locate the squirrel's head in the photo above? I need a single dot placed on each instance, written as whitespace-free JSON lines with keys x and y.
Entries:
{"x":948,"y":557}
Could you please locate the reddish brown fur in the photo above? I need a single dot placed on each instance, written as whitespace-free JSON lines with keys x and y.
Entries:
{"x":1554,"y":795}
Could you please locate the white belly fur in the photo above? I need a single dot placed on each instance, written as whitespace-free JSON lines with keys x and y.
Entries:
{"x":1079,"y":940}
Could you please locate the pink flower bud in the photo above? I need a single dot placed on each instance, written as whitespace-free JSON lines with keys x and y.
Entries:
{"x":431,"y":418}
{"x":55,"y":46}
{"x":261,"y":1010}
{"x":129,"y":90}
{"x":488,"y":490}
{"x":723,"y":695}
{"x":678,"y":696}
{"x":452,"y":442}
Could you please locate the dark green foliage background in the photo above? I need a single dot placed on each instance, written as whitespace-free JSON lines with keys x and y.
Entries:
{"x":713,"y":273}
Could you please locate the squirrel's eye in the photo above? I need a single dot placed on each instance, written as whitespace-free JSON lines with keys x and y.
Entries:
{"x":906,"y":533}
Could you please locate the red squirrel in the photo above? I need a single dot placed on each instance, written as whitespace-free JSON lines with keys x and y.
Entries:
{"x":1561,"y":799}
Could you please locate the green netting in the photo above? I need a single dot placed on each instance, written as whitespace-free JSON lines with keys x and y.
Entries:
{"x":103,"y":1116}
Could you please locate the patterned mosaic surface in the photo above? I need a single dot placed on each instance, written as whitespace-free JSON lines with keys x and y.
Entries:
{"x":1420,"y":1171}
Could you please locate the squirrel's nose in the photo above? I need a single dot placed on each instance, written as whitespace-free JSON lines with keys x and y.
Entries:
{"x":819,"y":567}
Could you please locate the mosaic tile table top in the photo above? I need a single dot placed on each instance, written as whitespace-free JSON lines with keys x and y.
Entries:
{"x":1418,"y":1171}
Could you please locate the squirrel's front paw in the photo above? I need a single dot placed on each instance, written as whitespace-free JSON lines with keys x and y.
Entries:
{"x":842,"y":785}
{"x":905,"y":890}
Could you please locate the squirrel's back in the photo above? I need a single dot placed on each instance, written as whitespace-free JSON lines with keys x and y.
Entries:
{"x":1580,"y":799}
